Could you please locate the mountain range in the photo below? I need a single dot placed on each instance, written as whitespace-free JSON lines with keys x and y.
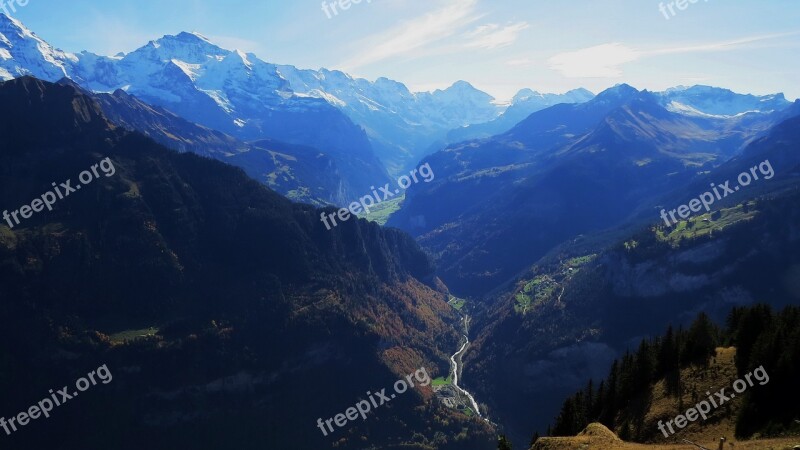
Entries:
{"x":499,"y":204}
{"x":232,"y":318}
{"x":525,"y":103}
{"x":260,"y":320}
{"x":349,"y":120}
{"x":363,"y":131}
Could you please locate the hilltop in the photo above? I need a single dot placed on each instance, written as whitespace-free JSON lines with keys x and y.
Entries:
{"x":598,"y":437}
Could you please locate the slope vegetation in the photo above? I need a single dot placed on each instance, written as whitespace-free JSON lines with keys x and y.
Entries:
{"x":228,"y":315}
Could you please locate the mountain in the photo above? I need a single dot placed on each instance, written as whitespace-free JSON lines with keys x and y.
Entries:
{"x":249,"y":99}
{"x":498,"y":205}
{"x":301,"y":173}
{"x":223,"y":90}
{"x":563,"y":321}
{"x":402,"y":125}
{"x":590,"y":298}
{"x":162,"y":125}
{"x":713,"y":101}
{"x":24,"y":53}
{"x":525,"y":103}
{"x":228,"y":316}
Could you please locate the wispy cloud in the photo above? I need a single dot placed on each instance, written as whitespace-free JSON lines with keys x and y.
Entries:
{"x":606,"y":60}
{"x":720,"y":46}
{"x":600,"y":61}
{"x":492,"y":35}
{"x":418,"y":33}
{"x":521,"y":62}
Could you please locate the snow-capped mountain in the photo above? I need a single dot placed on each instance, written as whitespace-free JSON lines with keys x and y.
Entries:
{"x":24,"y":53}
{"x":224,"y":90}
{"x":366,"y":127}
{"x":251,"y":99}
{"x":401,"y":124}
{"x":717,"y":102}
{"x":525,"y":103}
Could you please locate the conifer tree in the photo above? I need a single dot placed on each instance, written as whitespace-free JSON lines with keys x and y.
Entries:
{"x":503,"y":444}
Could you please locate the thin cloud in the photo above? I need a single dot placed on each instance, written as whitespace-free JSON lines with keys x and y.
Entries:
{"x":606,"y":60}
{"x":416,"y":34}
{"x":493,"y":36}
{"x":600,"y":61}
{"x":521,"y":62}
{"x":720,"y":46}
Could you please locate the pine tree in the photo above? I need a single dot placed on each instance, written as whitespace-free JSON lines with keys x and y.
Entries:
{"x":589,"y":399}
{"x":599,"y":401}
{"x":625,"y":431}
{"x":701,"y":341}
{"x":566,"y":419}
{"x":645,"y":367}
{"x":752,"y":324}
{"x":610,"y":405}
{"x":668,"y":360}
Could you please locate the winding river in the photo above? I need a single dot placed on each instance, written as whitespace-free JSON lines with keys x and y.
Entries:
{"x":455,"y":359}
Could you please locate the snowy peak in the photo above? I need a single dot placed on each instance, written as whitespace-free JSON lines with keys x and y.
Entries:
{"x":462,"y":90}
{"x":525,"y":94}
{"x":190,"y":48}
{"x":191,"y":38}
{"x":574,"y":96}
{"x":718,"y":102}
{"x":460,"y":86}
{"x":11,"y":25}
{"x":579,"y":95}
{"x":24,"y":53}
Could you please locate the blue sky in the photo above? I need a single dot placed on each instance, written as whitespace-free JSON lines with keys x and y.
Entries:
{"x":499,"y":46}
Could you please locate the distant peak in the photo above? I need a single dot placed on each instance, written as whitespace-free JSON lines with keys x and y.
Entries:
{"x":778,"y":96}
{"x":619,"y":92}
{"x":184,"y":39}
{"x":10,"y":24}
{"x":524,"y":94}
{"x":387,"y":82}
{"x":624,"y":87}
{"x":581,"y":91}
{"x":8,"y":20}
{"x":191,"y":37}
{"x":461,"y":85}
{"x":191,"y":48}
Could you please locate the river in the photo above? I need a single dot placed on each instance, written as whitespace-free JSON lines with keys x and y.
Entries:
{"x":456,"y":359}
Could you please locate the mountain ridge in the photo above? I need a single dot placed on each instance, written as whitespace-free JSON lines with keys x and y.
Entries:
{"x":239,"y":287}
{"x":563,"y":171}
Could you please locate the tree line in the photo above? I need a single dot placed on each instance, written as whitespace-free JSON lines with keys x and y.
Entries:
{"x":761,"y":337}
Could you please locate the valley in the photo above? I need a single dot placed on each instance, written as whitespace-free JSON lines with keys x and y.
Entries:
{"x":587,"y":261}
{"x":450,"y":392}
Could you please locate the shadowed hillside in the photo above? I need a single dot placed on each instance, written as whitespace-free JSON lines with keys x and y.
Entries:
{"x":229,"y":316}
